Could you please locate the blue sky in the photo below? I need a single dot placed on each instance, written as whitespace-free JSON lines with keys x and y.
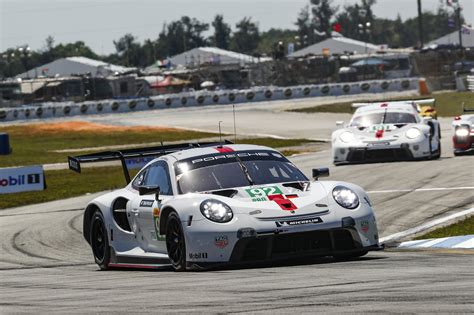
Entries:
{"x":99,"y":22}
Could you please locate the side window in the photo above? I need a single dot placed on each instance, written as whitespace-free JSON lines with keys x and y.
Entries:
{"x":158,"y":175}
{"x":140,"y":179}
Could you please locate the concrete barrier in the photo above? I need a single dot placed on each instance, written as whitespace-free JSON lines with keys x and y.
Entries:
{"x":205,"y":98}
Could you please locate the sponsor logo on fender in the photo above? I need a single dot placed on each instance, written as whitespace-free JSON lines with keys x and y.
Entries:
{"x":221,"y":241}
{"x":146,"y":203}
{"x":197,"y":255}
{"x":364,"y":226}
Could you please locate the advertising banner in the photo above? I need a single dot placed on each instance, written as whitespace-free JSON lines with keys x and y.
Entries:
{"x":19,"y":179}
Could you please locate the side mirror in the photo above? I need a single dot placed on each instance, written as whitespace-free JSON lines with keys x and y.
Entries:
{"x":320,"y":172}
{"x":147,"y":190}
{"x":339,"y":123}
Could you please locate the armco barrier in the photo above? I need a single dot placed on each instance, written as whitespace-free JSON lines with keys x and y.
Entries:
{"x":204,"y":98}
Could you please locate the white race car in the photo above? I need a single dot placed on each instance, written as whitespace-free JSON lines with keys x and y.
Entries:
{"x":202,"y":205}
{"x":388,"y":131}
{"x":463,"y":138}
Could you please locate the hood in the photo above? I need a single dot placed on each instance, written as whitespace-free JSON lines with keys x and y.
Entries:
{"x":381,"y":131}
{"x":278,"y":200}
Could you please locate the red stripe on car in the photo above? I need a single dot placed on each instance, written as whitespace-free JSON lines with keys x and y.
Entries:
{"x":224,"y":149}
{"x":379,"y":133}
{"x":285,"y":204}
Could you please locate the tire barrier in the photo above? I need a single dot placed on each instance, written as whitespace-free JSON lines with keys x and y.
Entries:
{"x":84,"y":108}
{"x":255,"y":94}
{"x":200,"y":99}
{"x":132,"y":104}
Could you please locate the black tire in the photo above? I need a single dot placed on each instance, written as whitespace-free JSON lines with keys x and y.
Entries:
{"x":437,"y":155}
{"x":342,"y":257}
{"x":99,"y":241}
{"x":175,"y":242}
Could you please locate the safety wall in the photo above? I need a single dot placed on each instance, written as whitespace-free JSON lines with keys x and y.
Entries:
{"x":203,"y":98}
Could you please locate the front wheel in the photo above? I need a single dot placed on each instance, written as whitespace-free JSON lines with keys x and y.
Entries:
{"x":175,"y":242}
{"x":99,"y":241}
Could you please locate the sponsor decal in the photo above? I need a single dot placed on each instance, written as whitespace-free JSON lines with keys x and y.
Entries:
{"x":197,"y":255}
{"x":283,"y":202}
{"x":221,"y":241}
{"x":298,"y":222}
{"x":261,"y":192}
{"x":364,"y":226}
{"x":232,"y":156}
{"x":146,"y":203}
{"x":21,"y":179}
{"x":156,"y":220}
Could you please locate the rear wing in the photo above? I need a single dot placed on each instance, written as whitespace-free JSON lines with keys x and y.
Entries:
{"x":75,"y":162}
{"x":426,"y":101}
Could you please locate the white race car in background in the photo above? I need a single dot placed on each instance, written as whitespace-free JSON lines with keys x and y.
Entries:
{"x":463,"y":138}
{"x":223,"y":203}
{"x":387,"y":131}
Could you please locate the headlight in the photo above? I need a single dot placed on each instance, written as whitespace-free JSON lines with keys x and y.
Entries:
{"x":346,"y":136}
{"x":216,"y":211}
{"x":462,"y":132}
{"x":345,"y":197}
{"x":413,"y":133}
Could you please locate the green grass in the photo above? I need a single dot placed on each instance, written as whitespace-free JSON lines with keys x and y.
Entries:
{"x":32,"y":146}
{"x":63,"y":184}
{"x":464,"y":227}
{"x":448,"y":104}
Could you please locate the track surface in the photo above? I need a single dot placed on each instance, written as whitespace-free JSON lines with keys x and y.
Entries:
{"x":45,"y":266}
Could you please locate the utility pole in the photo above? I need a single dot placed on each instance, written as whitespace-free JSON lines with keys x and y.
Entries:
{"x":420,"y":24}
{"x":458,"y":15}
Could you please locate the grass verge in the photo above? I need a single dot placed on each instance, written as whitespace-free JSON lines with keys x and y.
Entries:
{"x":448,"y":104}
{"x":464,"y":227}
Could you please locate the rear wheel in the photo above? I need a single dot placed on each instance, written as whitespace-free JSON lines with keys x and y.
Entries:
{"x":175,"y":242}
{"x":99,"y":241}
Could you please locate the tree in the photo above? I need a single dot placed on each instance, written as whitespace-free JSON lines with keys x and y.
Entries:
{"x":127,"y":48}
{"x":305,"y":28}
{"x":247,"y":36}
{"x":222,"y":31}
{"x":323,"y":12}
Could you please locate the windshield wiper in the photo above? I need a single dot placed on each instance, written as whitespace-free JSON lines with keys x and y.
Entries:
{"x":245,"y":170}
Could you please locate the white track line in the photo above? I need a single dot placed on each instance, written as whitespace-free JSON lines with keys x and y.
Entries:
{"x":418,"y":190}
{"x":425,"y":226}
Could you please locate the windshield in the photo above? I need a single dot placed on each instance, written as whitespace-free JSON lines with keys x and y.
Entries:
{"x":383,"y":118}
{"x":225,"y":173}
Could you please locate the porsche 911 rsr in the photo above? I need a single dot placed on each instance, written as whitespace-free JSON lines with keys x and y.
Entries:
{"x":386,"y":132}
{"x":214,"y":204}
{"x":463,"y":138}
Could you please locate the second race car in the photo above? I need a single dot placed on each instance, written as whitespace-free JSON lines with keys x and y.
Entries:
{"x":386,"y":131}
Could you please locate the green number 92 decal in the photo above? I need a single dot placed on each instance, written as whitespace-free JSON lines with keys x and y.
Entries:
{"x":261,"y":193}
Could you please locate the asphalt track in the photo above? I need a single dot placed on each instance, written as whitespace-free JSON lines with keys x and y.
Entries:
{"x":45,"y":266}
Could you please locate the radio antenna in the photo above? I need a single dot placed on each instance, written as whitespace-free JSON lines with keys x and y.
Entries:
{"x":220,"y":132}
{"x":235,"y":129}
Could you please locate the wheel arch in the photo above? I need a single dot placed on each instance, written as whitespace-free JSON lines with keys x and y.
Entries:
{"x":89,"y":212}
{"x":165,"y":212}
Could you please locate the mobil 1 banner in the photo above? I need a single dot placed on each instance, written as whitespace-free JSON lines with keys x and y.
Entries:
{"x":18,"y":179}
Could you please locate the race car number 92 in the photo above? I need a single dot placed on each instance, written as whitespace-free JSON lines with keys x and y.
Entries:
{"x":263,"y":191}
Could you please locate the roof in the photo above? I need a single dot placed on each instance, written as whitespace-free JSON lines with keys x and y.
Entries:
{"x":399,"y":106}
{"x":336,"y":45}
{"x":74,"y":66}
{"x":196,"y":152}
{"x":453,"y":38}
{"x":212,"y":55}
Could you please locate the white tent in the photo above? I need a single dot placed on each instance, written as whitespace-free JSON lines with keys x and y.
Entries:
{"x":74,"y":65}
{"x":337,"y":45}
{"x":467,"y":34}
